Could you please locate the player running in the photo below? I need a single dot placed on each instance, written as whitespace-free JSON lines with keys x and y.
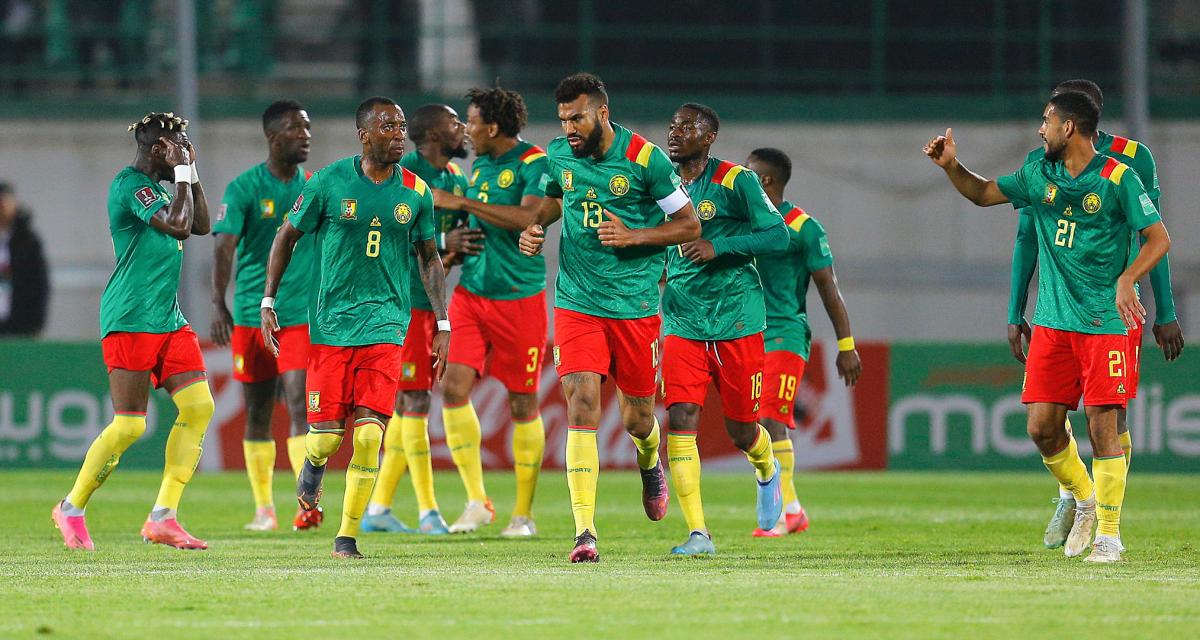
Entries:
{"x":620,"y":202}
{"x":786,"y":276}
{"x":1084,"y":205}
{"x":438,"y":134}
{"x":499,"y":307}
{"x":365,"y":212}
{"x":1167,"y":333}
{"x":713,"y":317}
{"x":144,"y":336}
{"x":254,"y":207}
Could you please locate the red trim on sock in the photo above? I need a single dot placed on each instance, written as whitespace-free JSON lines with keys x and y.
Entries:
{"x":188,"y":384}
{"x":456,"y":406}
{"x":675,"y":432}
{"x":134,"y":414}
{"x":414,"y":414}
{"x":580,"y":427}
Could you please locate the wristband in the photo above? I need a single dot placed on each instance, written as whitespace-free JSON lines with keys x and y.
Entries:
{"x":443,"y":325}
{"x":846,"y":344}
{"x":442,"y":244}
{"x":195,"y":176}
{"x":267,"y":303}
{"x":183,"y":173}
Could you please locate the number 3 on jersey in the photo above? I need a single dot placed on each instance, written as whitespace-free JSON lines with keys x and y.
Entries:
{"x":373,"y":237}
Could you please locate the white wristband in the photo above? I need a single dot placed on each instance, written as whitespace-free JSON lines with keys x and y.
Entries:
{"x":195,"y":176}
{"x":183,"y":173}
{"x":442,"y":243}
{"x":443,"y":325}
{"x":267,"y":303}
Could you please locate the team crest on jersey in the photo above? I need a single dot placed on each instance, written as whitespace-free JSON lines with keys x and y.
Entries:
{"x":267,"y":207}
{"x":706,"y":210}
{"x":557,"y":358}
{"x":408,"y":371}
{"x":239,"y":364}
{"x":1051,"y":193}
{"x":146,"y":196}
{"x":506,"y":179}
{"x":568,"y":180}
{"x":619,"y":185}
{"x":458,"y":190}
{"x":591,"y":193}
{"x":314,"y":401}
{"x":1091,"y":203}
{"x":349,"y":209}
{"x":403,"y":213}
{"x":375,"y":222}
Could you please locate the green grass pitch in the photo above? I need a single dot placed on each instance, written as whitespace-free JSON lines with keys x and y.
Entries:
{"x":896,"y":555}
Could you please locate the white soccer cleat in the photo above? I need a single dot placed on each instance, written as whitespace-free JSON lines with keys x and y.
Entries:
{"x":477,"y":514}
{"x":264,"y":520}
{"x":1080,"y":537}
{"x":520,"y":527}
{"x":1106,"y":549}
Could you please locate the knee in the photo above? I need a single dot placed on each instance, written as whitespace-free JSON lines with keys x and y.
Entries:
{"x":195,"y":404}
{"x":416,"y":401}
{"x":456,"y":387}
{"x":777,"y":430}
{"x":743,"y":434}
{"x":369,"y":436}
{"x":683,"y":417}
{"x":524,"y":406}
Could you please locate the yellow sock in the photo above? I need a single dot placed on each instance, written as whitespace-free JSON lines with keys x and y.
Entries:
{"x":647,"y":450}
{"x":414,"y":428}
{"x":319,"y":444}
{"x":786,"y":456}
{"x":104,"y":454}
{"x":463,"y":438}
{"x":684,"y":457}
{"x":1110,"y":493}
{"x":1070,"y":471}
{"x":184,"y":445}
{"x":1126,"y":446}
{"x":393,"y":466}
{"x":260,"y":467}
{"x":528,"y":447}
{"x":583,"y":469}
{"x":760,"y":455}
{"x":360,"y":474}
{"x":296,"y":452}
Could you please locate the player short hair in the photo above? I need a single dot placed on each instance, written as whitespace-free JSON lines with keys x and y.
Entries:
{"x":779,"y":162}
{"x":275,"y":112}
{"x":573,"y":86}
{"x":1083,"y":86}
{"x":423,"y":119}
{"x":155,"y":125}
{"x":1079,"y":108}
{"x":505,"y":109}
{"x":363,"y":114}
{"x":707,"y":112}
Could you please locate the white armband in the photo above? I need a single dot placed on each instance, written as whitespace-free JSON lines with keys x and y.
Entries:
{"x":183,"y":173}
{"x":195,"y":176}
{"x":267,"y":303}
{"x":443,"y":325}
{"x":674,"y":202}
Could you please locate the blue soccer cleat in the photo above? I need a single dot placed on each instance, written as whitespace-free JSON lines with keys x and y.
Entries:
{"x":385,"y":522}
{"x":697,"y":544}
{"x":432,"y":524}
{"x":770,"y":500}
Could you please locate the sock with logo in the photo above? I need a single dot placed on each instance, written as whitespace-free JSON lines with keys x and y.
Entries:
{"x":463,"y":438}
{"x":528,"y":448}
{"x":583,"y":470}
{"x":104,"y":454}
{"x":360,"y":473}
{"x":186,"y":441}
{"x":684,"y":458}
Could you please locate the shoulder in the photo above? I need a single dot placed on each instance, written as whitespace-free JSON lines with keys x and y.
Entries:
{"x":726,"y":174}
{"x":641,"y":151}
{"x":1128,"y":149}
{"x":558,"y":148}
{"x":413,"y":182}
{"x":1035,"y":155}
{"x":532,"y":154}
{"x":799,"y":221}
{"x":1114,"y":170}
{"x":455,"y":170}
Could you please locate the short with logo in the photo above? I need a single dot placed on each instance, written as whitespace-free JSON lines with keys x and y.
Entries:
{"x":505,"y":339}
{"x":162,"y":354}
{"x":342,"y":378}
{"x":735,"y":366}
{"x":782,"y":373}
{"x":1064,"y":365}
{"x":253,"y":363}
{"x":626,"y":349}
{"x":416,"y":355}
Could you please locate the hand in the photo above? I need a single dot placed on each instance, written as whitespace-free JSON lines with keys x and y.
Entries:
{"x":443,"y":199}
{"x":463,"y":240}
{"x":614,"y":233}
{"x":698,"y":251}
{"x":533,"y":238}
{"x":1128,"y":306}
{"x":849,"y":366}
{"x":1170,"y":338}
{"x":191,"y":149}
{"x":1019,"y":346}
{"x":175,"y":155}
{"x":222,"y":324}
{"x":441,"y":346}
{"x":270,"y":324}
{"x":942,"y":150}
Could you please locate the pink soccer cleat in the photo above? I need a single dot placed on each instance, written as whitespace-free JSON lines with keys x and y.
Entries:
{"x":169,"y":532}
{"x":73,"y":529}
{"x":797,"y":522}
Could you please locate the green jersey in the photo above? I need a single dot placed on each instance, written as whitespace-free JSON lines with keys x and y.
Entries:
{"x":364,"y":234}
{"x":254,"y":207}
{"x":721,"y":299}
{"x":142,"y":295}
{"x":785,"y":281}
{"x":1083,"y":226}
{"x":634,"y":181}
{"x":449,"y":179}
{"x":501,"y":271}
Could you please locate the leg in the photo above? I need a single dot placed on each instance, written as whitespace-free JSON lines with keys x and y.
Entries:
{"x":362,"y":470}
{"x":683,"y":421}
{"x":528,"y":449}
{"x":464,"y":437}
{"x":259,"y":449}
{"x":293,"y":398}
{"x":582,"y":392}
{"x":410,"y":405}
{"x":1109,"y":469}
{"x":414,"y":429}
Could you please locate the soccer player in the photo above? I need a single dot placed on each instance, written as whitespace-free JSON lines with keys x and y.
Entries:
{"x":365,"y":212}
{"x":713,"y":318}
{"x":1084,"y":205}
{"x":145,"y":338}
{"x":786,"y":276}
{"x":438,"y":135}
{"x":499,"y":307}
{"x":254,"y":207}
{"x":621,"y":203}
{"x":1167,"y":332}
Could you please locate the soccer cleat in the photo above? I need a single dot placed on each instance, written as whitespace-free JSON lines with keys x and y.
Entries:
{"x":697,"y":544}
{"x":264,"y":520}
{"x":385,"y":522}
{"x":1080,"y":537}
{"x":308,"y":495}
{"x":520,"y":527}
{"x":769,"y":503}
{"x":345,"y":547}
{"x":73,"y":529}
{"x":477,"y":514}
{"x":432,"y":524}
{"x":1060,"y":525}
{"x":1106,"y":549}
{"x":655,"y":495}
{"x":308,"y":519}
{"x":796,"y":522}
{"x":585,"y":548}
{"x":170,"y":533}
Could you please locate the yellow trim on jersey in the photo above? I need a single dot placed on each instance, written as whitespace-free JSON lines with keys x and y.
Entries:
{"x":1130,"y":149}
{"x":732,"y":175}
{"x":455,"y":169}
{"x":799,"y":221}
{"x":1116,"y":174}
{"x":533,"y":157}
{"x":643,"y":156}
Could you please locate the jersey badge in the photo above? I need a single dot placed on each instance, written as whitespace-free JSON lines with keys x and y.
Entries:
{"x":349,"y":209}
{"x":221,"y":212}
{"x":403,"y":213}
{"x":267,"y":207}
{"x":557,"y":358}
{"x":299,"y":201}
{"x":619,"y":185}
{"x":375,"y":222}
{"x":1051,"y":193}
{"x":506,"y":179}
{"x":568,"y":180}
{"x":1092,"y":202}
{"x":314,"y":401}
{"x":706,"y":210}
{"x":591,"y":193}
{"x":146,"y":196}
{"x":458,"y":190}
{"x":239,"y":364}
{"x":408,"y":371}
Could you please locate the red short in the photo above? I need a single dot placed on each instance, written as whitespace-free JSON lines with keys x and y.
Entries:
{"x":1133,"y":360}
{"x":627,"y":349}
{"x":782,"y":372}
{"x":735,"y":366}
{"x":162,"y":354}
{"x":505,"y":339}
{"x":342,"y":378}
{"x":253,"y":363}
{"x":1062,"y":365}
{"x":416,"y":356}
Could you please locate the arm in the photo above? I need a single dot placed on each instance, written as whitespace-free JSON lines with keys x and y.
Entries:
{"x":281,"y":254}
{"x":1025,"y":253}
{"x":1155,"y":244}
{"x":943,"y":151}
{"x":682,"y":226}
{"x":222,"y":323}
{"x":1168,"y":335}
{"x":513,"y":218}
{"x":176,"y":220}
{"x":760,"y":241}
{"x":533,"y":238}
{"x":433,"y":277}
{"x":848,"y":363}
{"x":200,"y":222}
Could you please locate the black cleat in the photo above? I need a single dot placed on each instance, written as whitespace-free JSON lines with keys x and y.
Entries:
{"x":346,"y":547}
{"x":308,"y":485}
{"x":585,"y":548}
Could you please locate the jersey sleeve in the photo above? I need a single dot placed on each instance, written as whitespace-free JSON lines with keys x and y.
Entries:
{"x":1025,"y":254}
{"x":1147,"y":170}
{"x":306,"y":213}
{"x":142,"y":199}
{"x":232,"y":216}
{"x":535,"y":178}
{"x":1136,"y":204}
{"x":663,"y":183}
{"x":1017,"y":186}
{"x":815,"y":246}
{"x":424,"y":222}
{"x":768,"y":231}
